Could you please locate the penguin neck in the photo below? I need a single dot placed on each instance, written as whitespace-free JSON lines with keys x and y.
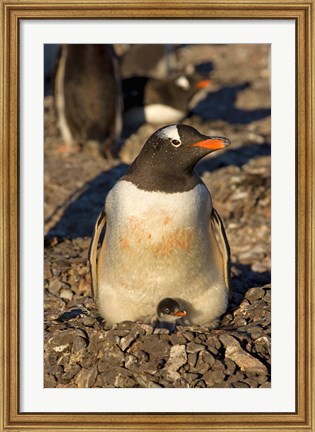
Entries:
{"x":153,"y":178}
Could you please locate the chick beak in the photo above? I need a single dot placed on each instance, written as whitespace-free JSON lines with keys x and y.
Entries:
{"x":179,"y":313}
{"x":213,"y":143}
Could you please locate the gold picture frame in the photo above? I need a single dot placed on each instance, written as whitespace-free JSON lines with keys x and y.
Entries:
{"x":12,"y":12}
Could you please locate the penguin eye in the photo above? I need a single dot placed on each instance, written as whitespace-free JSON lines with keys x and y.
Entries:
{"x":166,"y":310}
{"x":175,"y":142}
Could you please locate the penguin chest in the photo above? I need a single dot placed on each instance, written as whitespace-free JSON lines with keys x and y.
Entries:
{"x":156,"y":226}
{"x":155,"y":239}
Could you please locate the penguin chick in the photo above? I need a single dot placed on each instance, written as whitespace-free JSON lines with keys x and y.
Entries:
{"x":88,"y":97}
{"x":163,"y":236}
{"x":168,"y":313}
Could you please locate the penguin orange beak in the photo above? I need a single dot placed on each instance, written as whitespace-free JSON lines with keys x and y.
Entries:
{"x":215,"y":143}
{"x":203,"y":84}
{"x":180,"y":313}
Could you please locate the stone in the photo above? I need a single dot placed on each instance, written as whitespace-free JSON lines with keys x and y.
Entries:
{"x":199,"y":383}
{"x":124,"y":381}
{"x":111,"y":353}
{"x":192,"y":359}
{"x":207,"y":358}
{"x":161,"y":331}
{"x":62,"y":340}
{"x":213,"y":377}
{"x":142,"y":356}
{"x":218,"y":365}
{"x":263,"y":346}
{"x":55,"y":285}
{"x":78,"y":344}
{"x":213,"y":342}
{"x":194,"y":348}
{"x":86,"y":377}
{"x":145,"y":380}
{"x":201,"y":366}
{"x":230,"y":366}
{"x":131,"y":362}
{"x":87,"y":359}
{"x":265,"y":385}
{"x":252,"y":382}
{"x":49,"y":381}
{"x":178,"y":358}
{"x":189,"y":336}
{"x":239,"y":384}
{"x":126,"y":341}
{"x":189,"y":377}
{"x":153,"y":345}
{"x":254,"y":294}
{"x":66,"y":294}
{"x":148,"y":329}
{"x":72,"y":370}
{"x":176,"y":339}
{"x":170,"y":375}
{"x":244,"y":360}
{"x":237,"y":376}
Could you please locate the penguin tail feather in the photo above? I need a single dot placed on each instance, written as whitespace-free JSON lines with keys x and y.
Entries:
{"x":92,"y":256}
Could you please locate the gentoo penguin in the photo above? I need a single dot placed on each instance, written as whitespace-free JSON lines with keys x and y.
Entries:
{"x":88,"y":96}
{"x":154,"y":60}
{"x":163,"y":237}
{"x":168,"y":313}
{"x":158,"y":101}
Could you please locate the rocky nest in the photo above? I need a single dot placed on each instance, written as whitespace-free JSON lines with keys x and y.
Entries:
{"x":80,"y":349}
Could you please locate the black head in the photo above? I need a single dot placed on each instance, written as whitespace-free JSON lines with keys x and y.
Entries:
{"x":168,"y":158}
{"x":169,"y":308}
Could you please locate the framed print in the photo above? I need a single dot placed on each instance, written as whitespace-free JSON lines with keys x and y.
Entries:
{"x":173,"y":289}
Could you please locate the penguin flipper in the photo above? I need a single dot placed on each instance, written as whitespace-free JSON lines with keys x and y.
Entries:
{"x":99,"y":225}
{"x":224,"y":247}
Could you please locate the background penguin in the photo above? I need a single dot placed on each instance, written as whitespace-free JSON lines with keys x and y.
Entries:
{"x":168,"y":313}
{"x":158,"y":101}
{"x":154,"y":60}
{"x":88,"y":96}
{"x":163,"y":236}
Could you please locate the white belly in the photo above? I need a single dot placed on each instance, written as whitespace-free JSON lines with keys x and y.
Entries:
{"x":154,"y":114}
{"x":157,"y":245}
{"x":159,"y":114}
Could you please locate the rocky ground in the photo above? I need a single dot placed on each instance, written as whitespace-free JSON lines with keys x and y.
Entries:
{"x":80,"y":349}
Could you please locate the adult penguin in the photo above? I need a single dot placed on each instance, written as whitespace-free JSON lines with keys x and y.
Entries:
{"x":163,"y":237}
{"x":88,"y":97}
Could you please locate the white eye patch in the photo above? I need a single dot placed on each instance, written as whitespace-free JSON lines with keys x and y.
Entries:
{"x":183,"y":83}
{"x":170,"y":132}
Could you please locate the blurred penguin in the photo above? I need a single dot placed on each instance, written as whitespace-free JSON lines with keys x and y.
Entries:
{"x":154,"y":60}
{"x":160,"y":101}
{"x":88,"y":97}
{"x":50,"y":60}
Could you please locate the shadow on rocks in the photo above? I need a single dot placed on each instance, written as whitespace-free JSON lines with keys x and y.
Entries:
{"x":220,"y":105}
{"x":237,"y":157}
{"x":83,"y":209}
{"x":244,"y":278}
